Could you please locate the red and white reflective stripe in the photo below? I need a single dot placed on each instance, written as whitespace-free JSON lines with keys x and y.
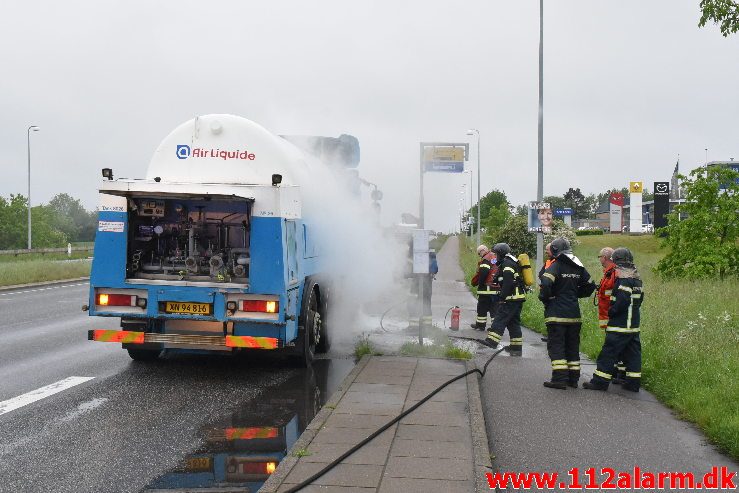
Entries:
{"x":251,"y":433}
{"x":252,"y":342}
{"x":123,"y":336}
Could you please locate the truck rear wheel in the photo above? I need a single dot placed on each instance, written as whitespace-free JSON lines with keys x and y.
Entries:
{"x":324,"y":343}
{"x":309,"y":332}
{"x":144,"y":354}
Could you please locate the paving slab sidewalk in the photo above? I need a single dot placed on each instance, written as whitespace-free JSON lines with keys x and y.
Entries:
{"x":441,"y":446}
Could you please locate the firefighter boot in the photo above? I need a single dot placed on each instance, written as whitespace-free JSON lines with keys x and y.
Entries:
{"x":556,"y":385}
{"x":489,"y":343}
{"x":492,"y":339}
{"x":516,"y":346}
{"x":593,"y":385}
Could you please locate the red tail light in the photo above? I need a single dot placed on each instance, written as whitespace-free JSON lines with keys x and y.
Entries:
{"x":262,"y":306}
{"x":105,"y":299}
{"x":259,"y":467}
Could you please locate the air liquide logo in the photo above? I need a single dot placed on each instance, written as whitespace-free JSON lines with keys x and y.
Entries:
{"x":184,"y":152}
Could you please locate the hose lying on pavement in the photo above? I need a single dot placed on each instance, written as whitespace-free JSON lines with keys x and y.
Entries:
{"x":405,"y":413}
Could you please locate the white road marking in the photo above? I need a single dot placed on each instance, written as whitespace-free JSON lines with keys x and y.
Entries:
{"x":38,"y":394}
{"x":85,"y":407}
{"x":43,"y":289}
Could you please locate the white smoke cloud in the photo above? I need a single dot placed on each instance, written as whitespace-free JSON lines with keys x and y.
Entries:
{"x":364,"y":262}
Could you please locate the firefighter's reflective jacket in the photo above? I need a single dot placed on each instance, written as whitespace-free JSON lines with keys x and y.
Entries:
{"x":605,"y":291}
{"x":509,"y":278}
{"x":626,"y":300}
{"x":562,"y":284}
{"x":487,"y":273}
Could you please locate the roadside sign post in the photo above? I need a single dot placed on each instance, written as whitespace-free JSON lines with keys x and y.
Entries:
{"x":661,"y":204}
{"x":635,"y":206}
{"x":439,"y":157}
{"x":421,"y":269}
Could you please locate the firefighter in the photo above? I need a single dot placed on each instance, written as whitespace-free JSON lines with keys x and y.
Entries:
{"x":622,"y":332}
{"x":603,"y":300}
{"x":487,"y":287}
{"x":606,"y":285}
{"x":547,"y":263}
{"x":512,"y":295}
{"x":562,"y":284}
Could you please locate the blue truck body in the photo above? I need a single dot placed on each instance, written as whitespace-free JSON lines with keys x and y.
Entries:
{"x":220,"y":265}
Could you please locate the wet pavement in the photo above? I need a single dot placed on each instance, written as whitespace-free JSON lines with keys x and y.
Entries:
{"x":440,"y":446}
{"x":242,"y":450}
{"x":129,"y":426}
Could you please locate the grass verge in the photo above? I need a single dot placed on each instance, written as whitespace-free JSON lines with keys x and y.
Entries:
{"x":448,"y":351}
{"x":34,"y":270}
{"x":441,"y":347}
{"x":364,"y":347}
{"x":690,"y":337}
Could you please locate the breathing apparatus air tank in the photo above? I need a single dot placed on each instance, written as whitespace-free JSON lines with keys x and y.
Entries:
{"x":526,"y":272}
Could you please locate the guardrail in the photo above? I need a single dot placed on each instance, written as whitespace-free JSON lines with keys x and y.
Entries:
{"x":43,"y":251}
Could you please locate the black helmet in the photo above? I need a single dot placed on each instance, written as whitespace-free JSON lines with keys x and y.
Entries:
{"x":622,"y":257}
{"x":560,"y":245}
{"x":502,"y":249}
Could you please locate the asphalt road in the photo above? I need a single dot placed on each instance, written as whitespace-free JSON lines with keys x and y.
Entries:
{"x":130,"y":424}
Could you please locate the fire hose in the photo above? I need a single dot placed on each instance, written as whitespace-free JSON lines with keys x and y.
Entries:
{"x":364,"y":442}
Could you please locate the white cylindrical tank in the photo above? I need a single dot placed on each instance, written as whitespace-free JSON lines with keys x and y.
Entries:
{"x":227,"y":149}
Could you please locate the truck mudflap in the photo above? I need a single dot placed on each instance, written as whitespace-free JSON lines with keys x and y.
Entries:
{"x":229,"y":341}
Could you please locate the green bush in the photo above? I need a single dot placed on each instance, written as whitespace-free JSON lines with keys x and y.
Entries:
{"x":515,"y":233}
{"x":704,"y":244}
{"x":589,"y":232}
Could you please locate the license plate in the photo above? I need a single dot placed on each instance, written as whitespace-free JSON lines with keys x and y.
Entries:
{"x":199,"y":464}
{"x":188,"y":308}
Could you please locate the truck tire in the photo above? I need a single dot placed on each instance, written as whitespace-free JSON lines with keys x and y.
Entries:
{"x":309,"y":331}
{"x":305,"y":350}
{"x":144,"y":354}
{"x":324,"y":341}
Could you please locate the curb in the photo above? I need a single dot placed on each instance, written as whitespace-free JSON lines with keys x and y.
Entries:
{"x":480,"y":449}
{"x":288,"y":463}
{"x":43,"y":283}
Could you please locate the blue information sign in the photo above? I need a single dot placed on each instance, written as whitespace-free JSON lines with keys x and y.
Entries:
{"x":444,"y":166}
{"x":564,"y":211}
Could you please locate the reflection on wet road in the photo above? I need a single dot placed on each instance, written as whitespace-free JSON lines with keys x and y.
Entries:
{"x":243,"y":449}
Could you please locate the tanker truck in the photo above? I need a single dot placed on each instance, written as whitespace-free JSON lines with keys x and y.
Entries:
{"x":210,"y":252}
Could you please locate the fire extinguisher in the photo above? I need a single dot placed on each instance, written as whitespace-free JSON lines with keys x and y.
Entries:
{"x":455,"y":318}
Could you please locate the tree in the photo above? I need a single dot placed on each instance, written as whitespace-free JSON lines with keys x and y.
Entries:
{"x":705,"y":243}
{"x":515,"y":233}
{"x":13,"y":222}
{"x":494,"y":200}
{"x":554,"y":201}
{"x":71,"y":218}
{"x":725,"y":13}
{"x":14,"y":225}
{"x":576,"y":200}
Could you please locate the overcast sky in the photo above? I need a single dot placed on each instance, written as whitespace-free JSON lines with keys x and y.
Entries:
{"x":628,"y":86}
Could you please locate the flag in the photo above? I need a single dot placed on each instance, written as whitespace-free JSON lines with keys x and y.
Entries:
{"x":674,"y":183}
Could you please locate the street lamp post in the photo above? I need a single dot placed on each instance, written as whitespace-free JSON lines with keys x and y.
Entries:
{"x":474,"y":131}
{"x":28,"y":134}
{"x":540,"y":174}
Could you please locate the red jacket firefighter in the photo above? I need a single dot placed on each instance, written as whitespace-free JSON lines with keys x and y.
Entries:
{"x":605,"y":288}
